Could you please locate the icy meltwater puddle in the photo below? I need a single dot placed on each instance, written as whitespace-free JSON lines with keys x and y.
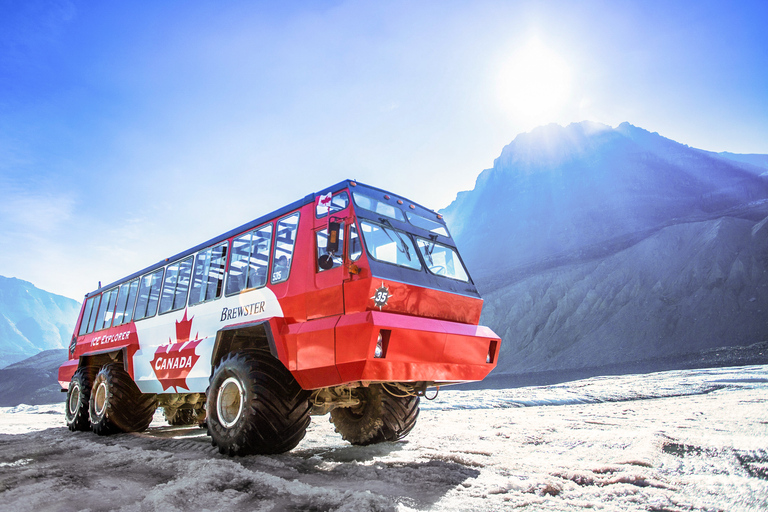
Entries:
{"x":619,"y":388}
{"x":672,"y":441}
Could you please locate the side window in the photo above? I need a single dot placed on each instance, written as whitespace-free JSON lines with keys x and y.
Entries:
{"x":107,"y":309}
{"x":208,"y":276}
{"x":355,"y":246}
{"x":336,"y":203}
{"x":149,"y":293}
{"x":176,"y":286}
{"x":322,"y":244}
{"x":86,"y":316}
{"x":285,"y":240}
{"x":250,"y":260}
{"x":94,"y":315}
{"x":125,"y":302}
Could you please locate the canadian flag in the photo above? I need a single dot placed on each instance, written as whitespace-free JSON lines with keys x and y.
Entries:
{"x":325,"y":200}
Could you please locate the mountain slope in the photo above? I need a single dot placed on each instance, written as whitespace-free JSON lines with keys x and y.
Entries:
{"x":32,"y":320}
{"x":33,"y":381}
{"x":597,"y":246}
{"x":688,"y":288}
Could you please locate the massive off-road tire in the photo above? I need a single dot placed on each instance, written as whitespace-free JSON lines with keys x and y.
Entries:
{"x":181,"y":417}
{"x":255,"y":406}
{"x":78,"y":396}
{"x":379,"y":417}
{"x":116,"y":404}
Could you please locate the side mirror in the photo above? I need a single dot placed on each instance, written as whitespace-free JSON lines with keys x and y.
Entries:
{"x":325,"y":262}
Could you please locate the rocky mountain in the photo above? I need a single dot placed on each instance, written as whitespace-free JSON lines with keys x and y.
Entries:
{"x":558,"y":194}
{"x":32,"y":320}
{"x":613,"y":246}
{"x":33,"y":381}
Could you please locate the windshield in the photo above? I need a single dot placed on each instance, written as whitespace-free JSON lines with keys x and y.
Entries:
{"x":390,"y":245}
{"x":442,"y":260}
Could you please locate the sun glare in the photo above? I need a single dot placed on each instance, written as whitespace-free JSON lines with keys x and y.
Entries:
{"x":534,"y":84}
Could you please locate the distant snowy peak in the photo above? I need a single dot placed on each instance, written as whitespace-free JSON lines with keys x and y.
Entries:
{"x":32,"y":320}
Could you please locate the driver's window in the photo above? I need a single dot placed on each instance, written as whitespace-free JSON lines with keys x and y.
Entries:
{"x":322,"y":252}
{"x":355,"y":247}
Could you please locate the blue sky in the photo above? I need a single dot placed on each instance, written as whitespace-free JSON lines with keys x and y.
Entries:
{"x":131,"y":132}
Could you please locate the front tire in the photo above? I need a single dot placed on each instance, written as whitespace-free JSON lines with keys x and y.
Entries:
{"x":116,"y":403}
{"x":255,"y":406}
{"x":380,"y":416}
{"x":78,"y":397}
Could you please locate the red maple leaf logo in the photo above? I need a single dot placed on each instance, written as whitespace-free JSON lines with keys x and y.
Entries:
{"x":173,"y":362}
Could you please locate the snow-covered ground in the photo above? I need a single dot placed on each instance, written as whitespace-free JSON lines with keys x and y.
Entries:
{"x":686,"y":440}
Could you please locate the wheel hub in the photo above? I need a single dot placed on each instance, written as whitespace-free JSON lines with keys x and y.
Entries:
{"x":74,"y":399}
{"x":100,"y":398}
{"x":230,"y":401}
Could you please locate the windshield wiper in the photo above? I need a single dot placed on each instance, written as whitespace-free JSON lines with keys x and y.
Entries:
{"x":404,"y":248}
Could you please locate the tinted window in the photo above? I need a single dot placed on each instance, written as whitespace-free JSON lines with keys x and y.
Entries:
{"x":442,"y":260}
{"x":86,"y":316}
{"x":285,"y":239}
{"x":377,"y":206}
{"x":355,"y":246}
{"x":176,"y":285}
{"x":149,"y":293}
{"x":125,"y":302}
{"x":428,"y":224}
{"x":208,"y":276}
{"x":94,"y":314}
{"x":390,"y":245}
{"x":107,"y":309}
{"x":337,"y":203}
{"x":250,"y":260}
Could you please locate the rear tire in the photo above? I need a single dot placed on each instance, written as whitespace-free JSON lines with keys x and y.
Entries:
{"x":255,"y":406}
{"x":78,"y":397}
{"x":380,"y":416}
{"x":116,"y":403}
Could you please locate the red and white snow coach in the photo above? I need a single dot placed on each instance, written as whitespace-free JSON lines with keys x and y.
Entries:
{"x":351,"y":301}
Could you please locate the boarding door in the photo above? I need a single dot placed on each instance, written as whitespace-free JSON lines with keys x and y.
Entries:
{"x":327,"y":298}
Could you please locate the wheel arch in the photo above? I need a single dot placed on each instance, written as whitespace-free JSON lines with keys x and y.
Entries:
{"x":262,"y":335}
{"x":99,"y":359}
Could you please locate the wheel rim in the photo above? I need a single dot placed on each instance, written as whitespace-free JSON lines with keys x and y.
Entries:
{"x":230,"y":402}
{"x":74,"y":399}
{"x":100,"y":398}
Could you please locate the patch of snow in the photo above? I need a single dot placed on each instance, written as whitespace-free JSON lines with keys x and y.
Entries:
{"x":669,"y":441}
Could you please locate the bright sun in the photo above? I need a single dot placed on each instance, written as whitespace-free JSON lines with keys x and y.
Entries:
{"x":534,"y":84}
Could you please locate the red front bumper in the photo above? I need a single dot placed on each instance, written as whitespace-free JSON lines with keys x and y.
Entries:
{"x":340,"y":350}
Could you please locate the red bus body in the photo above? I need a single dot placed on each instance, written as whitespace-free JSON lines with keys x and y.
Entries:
{"x":371,"y":317}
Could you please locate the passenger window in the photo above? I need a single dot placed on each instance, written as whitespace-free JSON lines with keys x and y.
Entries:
{"x":285,"y":239}
{"x":125,"y":302}
{"x":107,"y":309}
{"x":94,"y":315}
{"x":208,"y":276}
{"x":322,"y":244}
{"x":355,"y":247}
{"x":86,"y":316}
{"x":337,"y":203}
{"x":176,"y":286}
{"x":250,"y":260}
{"x":149,"y":293}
